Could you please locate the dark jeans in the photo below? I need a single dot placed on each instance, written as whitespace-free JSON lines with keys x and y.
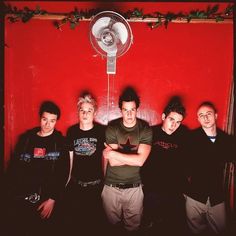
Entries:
{"x":23,"y":219}
{"x":82,"y":210}
{"x":164,"y":213}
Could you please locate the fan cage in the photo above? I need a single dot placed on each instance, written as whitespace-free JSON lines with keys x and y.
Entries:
{"x":116,"y":17}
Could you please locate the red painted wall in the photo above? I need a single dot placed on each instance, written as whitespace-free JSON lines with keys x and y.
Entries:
{"x":41,"y":62}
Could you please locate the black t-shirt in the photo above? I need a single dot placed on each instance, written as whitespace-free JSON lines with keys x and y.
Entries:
{"x":87,"y":147}
{"x":164,"y":170}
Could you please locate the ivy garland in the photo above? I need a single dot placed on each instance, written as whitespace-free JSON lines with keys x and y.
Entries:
{"x":74,"y":17}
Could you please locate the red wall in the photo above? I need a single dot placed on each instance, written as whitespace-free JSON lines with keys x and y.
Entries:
{"x":41,"y":62}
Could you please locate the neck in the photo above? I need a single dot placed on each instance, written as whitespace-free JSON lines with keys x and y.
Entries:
{"x":130,"y":125}
{"x":165,"y":130}
{"x":210,"y":131}
{"x":43,"y":134}
{"x":86,"y":126}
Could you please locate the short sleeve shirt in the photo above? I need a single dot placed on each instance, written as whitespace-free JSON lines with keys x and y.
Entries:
{"x":87,"y":147}
{"x":128,"y":140}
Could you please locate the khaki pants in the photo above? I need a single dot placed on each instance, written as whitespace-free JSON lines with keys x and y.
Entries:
{"x":202,"y":217}
{"x":123,"y":205}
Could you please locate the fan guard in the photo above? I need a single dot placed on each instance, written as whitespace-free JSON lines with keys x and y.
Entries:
{"x":110,"y":36}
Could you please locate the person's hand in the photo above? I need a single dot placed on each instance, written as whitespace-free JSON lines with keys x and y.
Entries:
{"x":108,"y":147}
{"x":106,"y":151}
{"x":46,"y":208}
{"x":111,"y":155}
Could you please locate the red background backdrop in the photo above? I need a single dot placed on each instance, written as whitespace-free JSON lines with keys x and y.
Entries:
{"x":192,"y":60}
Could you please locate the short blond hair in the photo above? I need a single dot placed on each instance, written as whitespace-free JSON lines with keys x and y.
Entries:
{"x":87,"y":98}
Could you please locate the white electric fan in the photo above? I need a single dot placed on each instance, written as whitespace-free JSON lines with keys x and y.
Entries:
{"x":110,"y":36}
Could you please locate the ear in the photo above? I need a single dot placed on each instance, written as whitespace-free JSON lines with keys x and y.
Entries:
{"x":216,"y":116}
{"x":163,"y":116}
{"x":198,"y":119}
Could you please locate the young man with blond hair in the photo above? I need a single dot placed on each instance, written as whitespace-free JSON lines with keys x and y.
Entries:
{"x":83,"y":208}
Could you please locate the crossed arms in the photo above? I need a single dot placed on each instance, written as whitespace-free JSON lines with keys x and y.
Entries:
{"x":115,"y":158}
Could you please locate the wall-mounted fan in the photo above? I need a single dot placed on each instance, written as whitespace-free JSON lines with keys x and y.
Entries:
{"x":111,"y":36}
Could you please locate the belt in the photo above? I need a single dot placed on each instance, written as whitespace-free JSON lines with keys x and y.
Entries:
{"x":124,"y":186}
{"x":90,"y":183}
{"x":32,"y":198}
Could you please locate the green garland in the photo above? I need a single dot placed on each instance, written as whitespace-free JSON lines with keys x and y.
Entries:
{"x":74,"y":17}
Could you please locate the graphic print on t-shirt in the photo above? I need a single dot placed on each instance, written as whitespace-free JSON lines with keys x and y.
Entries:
{"x":85,"y":146}
{"x":128,"y":147}
{"x":39,"y":152}
{"x":166,"y":145}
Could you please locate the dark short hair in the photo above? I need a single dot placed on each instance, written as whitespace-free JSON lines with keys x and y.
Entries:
{"x":129,"y":95}
{"x":50,"y":107}
{"x":175,"y":105}
{"x":208,"y":104}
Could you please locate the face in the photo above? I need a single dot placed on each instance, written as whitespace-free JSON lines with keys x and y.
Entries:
{"x":171,"y":122}
{"x":206,"y":117}
{"x":47,"y":123}
{"x":129,"y":113}
{"x":86,"y":113}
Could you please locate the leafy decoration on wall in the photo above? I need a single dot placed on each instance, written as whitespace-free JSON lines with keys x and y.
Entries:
{"x":153,"y":20}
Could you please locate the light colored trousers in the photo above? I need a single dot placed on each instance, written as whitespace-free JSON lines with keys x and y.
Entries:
{"x":123,"y":205}
{"x":202,"y":217}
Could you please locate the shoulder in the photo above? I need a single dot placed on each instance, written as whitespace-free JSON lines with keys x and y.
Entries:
{"x":25,"y":138}
{"x":32,"y":131}
{"x":197,"y":134}
{"x":99,"y":126}
{"x":115,"y":122}
{"x":29,"y":133}
{"x":222,"y":133}
{"x":225,"y":136}
{"x":156,"y":128}
{"x":144,"y":128}
{"x":183,"y":130}
{"x":197,"y":131}
{"x":114,"y":125}
{"x":145,"y":132}
{"x":73,"y":128}
{"x":59,"y":137}
{"x":100,"y":129}
{"x":57,"y":133}
{"x":143,"y":123}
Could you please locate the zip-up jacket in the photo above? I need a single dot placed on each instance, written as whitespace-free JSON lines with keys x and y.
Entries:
{"x":39,"y":165}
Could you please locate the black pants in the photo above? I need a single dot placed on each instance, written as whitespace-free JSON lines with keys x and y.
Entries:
{"x":23,"y":219}
{"x":164,"y":213}
{"x":82,"y":211}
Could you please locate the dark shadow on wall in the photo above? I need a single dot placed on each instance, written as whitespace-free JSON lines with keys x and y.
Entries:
{"x":2,"y":44}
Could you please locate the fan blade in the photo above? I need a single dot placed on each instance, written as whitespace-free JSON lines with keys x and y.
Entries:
{"x":122,"y":31}
{"x":99,"y":25}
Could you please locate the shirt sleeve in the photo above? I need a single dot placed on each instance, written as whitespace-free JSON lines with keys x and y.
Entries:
{"x":69,"y":140}
{"x":57,"y":182}
{"x":146,"y":135}
{"x":111,"y":137}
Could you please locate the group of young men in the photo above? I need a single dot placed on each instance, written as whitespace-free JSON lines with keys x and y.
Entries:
{"x":124,"y":178}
